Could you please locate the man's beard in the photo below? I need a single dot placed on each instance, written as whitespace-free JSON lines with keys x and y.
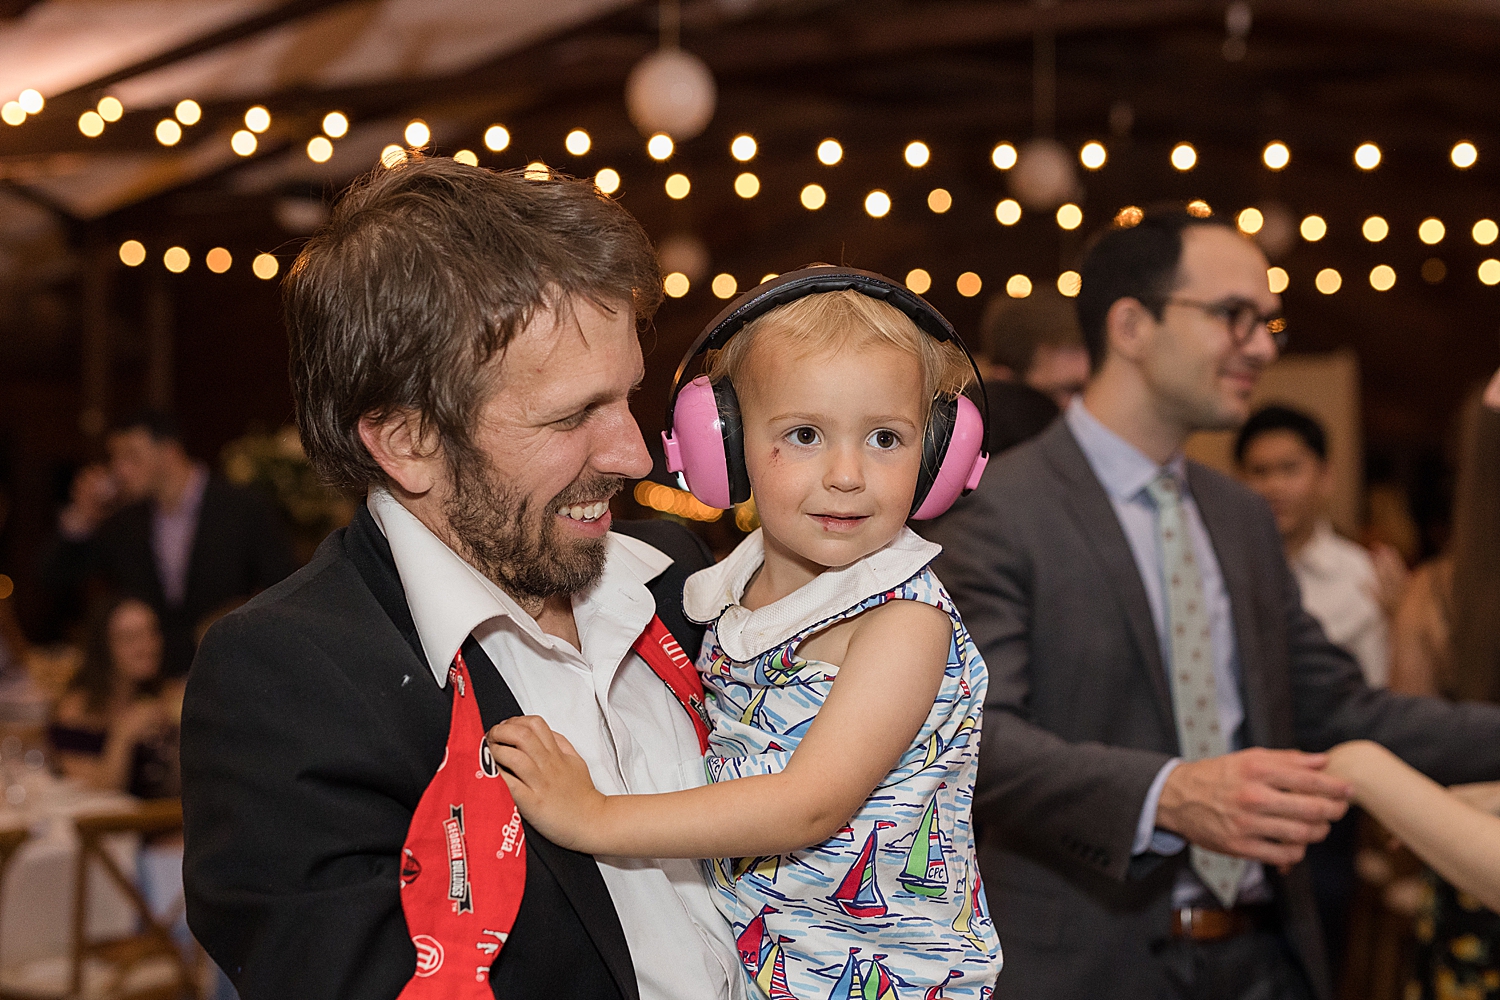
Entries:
{"x":498,"y":532}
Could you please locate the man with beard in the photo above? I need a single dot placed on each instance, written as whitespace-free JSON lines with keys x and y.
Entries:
{"x":463,"y":350}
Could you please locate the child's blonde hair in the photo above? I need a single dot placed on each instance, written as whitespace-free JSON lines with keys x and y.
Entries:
{"x":829,"y":321}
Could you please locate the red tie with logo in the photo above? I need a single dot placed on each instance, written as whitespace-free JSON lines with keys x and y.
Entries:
{"x":464,"y":867}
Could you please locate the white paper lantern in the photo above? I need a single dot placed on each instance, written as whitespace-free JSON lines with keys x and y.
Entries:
{"x":686,"y":253}
{"x":1043,"y":177}
{"x":671,"y":91}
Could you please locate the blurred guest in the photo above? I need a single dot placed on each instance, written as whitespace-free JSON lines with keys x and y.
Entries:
{"x":116,"y":726}
{"x":1035,"y":341}
{"x":1151,"y":666}
{"x":1282,"y":454}
{"x":159,"y":526}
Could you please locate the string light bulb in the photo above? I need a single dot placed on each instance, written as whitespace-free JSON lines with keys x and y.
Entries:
{"x":969,"y":284}
{"x":110,"y":109}
{"x":1250,"y":221}
{"x":743,"y":148}
{"x":335,"y":124}
{"x":243,"y":142}
{"x":31,"y":101}
{"x":1485,"y":232}
{"x":1008,"y":212}
{"x":319,"y":149}
{"x":1276,"y":155}
{"x":1489,"y":272}
{"x":830,"y":152}
{"x":496,"y":138}
{"x":176,"y":260}
{"x":1093,"y":155}
{"x":1277,"y":279}
{"x":417,"y":133}
{"x":218,"y":260}
{"x":939,"y":200}
{"x":1328,"y":281}
{"x":678,"y":186}
{"x":1367,"y":156}
{"x":747,"y":185}
{"x":132,"y":253}
{"x":168,"y":132}
{"x":1382,"y":277}
{"x":1431,"y":231}
{"x":607,"y":180}
{"x":257,"y":119}
{"x":1375,"y":229}
{"x":1018,"y":286}
{"x":918,"y":280}
{"x":1313,"y":228}
{"x":188,"y":112}
{"x":1003,"y":156}
{"x":813,"y":197}
{"x":1184,"y":156}
{"x":659,"y":147}
{"x":265,"y":266}
{"x":12,"y":113}
{"x":1464,"y":155}
{"x":877,"y":204}
{"x":676,"y":284}
{"x":90,"y":124}
{"x":577,"y":142}
{"x":1070,"y":283}
{"x":917,"y":154}
{"x":1069,"y":216}
{"x":467,"y":157}
{"x":724,"y":286}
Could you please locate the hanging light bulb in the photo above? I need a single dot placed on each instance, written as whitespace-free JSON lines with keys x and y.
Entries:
{"x":670,"y":90}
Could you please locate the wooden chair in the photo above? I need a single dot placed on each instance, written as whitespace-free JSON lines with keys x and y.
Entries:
{"x":154,"y":942}
{"x":10,"y":842}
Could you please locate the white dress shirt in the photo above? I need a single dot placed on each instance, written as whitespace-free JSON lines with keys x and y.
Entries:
{"x":1124,"y":471}
{"x":1338,"y":584}
{"x":617,"y":713}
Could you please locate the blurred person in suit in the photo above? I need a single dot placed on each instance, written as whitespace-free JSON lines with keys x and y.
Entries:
{"x":159,"y":526}
{"x":1151,"y":768}
{"x":1032,"y":360}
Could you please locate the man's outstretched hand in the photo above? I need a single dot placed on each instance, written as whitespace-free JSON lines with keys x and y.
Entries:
{"x":1265,"y":805}
{"x":548,"y":780}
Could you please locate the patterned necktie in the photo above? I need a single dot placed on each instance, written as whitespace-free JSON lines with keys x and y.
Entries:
{"x":1194,"y":696}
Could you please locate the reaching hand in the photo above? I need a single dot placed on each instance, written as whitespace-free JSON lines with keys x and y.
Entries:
{"x":548,"y":780}
{"x":90,"y":501}
{"x":1265,"y":805}
{"x":1390,"y":578}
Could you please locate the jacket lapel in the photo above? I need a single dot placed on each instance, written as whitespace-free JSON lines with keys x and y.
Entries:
{"x":1095,"y":515}
{"x":577,"y":874}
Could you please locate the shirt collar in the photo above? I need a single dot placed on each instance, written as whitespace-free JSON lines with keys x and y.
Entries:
{"x":449,"y":598}
{"x":1122,"y":469}
{"x":713,"y":594}
{"x":192,"y":496}
{"x":1320,"y":555}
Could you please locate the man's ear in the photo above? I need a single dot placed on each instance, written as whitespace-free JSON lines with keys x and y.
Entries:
{"x":405,"y":447}
{"x":1127,"y":327}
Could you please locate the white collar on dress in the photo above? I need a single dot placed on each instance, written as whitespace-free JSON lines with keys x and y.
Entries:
{"x":449,"y":598}
{"x":715,"y":593}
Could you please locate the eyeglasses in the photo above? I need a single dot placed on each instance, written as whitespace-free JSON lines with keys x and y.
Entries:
{"x":1241,"y":317}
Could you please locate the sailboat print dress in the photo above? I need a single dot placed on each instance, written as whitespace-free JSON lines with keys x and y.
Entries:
{"x":891,"y":906}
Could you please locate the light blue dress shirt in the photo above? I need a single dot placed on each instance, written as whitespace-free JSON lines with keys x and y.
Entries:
{"x":1124,"y":471}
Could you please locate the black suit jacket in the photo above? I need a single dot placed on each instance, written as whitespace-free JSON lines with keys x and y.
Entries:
{"x":1078,"y":717}
{"x":312,"y":726}
{"x":240,"y":548}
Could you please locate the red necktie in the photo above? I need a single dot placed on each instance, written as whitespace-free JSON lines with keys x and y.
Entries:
{"x":464,"y":867}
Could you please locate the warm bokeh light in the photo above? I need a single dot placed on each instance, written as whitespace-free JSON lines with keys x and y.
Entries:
{"x":1367,"y":156}
{"x":110,"y":109}
{"x":678,"y":186}
{"x":767,"y":277}
{"x":969,"y":284}
{"x":1276,"y":155}
{"x":877,"y":204}
{"x":496,"y":138}
{"x":1375,"y":229}
{"x":168,"y":132}
{"x":1184,"y":156}
{"x":607,"y":180}
{"x":577,"y":142}
{"x":467,"y":157}
{"x":243,"y":142}
{"x":1431,"y":231}
{"x":132,"y":253}
{"x":12,"y":113}
{"x":1382,"y":277}
{"x":31,"y":101}
{"x":1434,"y":270}
{"x":917,"y":154}
{"x":1277,"y":279}
{"x":392,"y":156}
{"x":1328,"y":281}
{"x":1485,"y":231}
{"x":90,"y":124}
{"x":830,"y":152}
{"x":1130,"y":215}
{"x":659,"y":146}
{"x":939,"y":200}
{"x":319,"y":149}
{"x":742,"y":148}
{"x":257,"y":119}
{"x":1464,"y":155}
{"x":1003,"y":156}
{"x":1018,"y":286}
{"x":265,"y":266}
{"x":1313,"y":228}
{"x":813,"y":197}
{"x":678,"y":503}
{"x":536,"y":170}
{"x":1250,"y":220}
{"x":188,"y":112}
{"x":1199,"y":209}
{"x":1008,"y":212}
{"x":1069,"y":216}
{"x":1093,"y":155}
{"x":417,"y":133}
{"x":335,"y":124}
{"x":724,"y":286}
{"x":676,"y":284}
{"x":918,"y":280}
{"x":1070,"y":283}
{"x":218,"y":260}
{"x":1489,"y":271}
{"x":747,"y":185}
{"x":176,"y":259}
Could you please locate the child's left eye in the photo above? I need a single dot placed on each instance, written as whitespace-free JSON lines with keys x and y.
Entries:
{"x":804,"y":436}
{"x":884,"y":439}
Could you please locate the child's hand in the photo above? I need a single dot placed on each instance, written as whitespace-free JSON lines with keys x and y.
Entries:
{"x":548,"y":780}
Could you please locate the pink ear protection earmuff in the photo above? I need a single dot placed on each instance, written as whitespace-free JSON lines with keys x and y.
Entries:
{"x":705,"y":442}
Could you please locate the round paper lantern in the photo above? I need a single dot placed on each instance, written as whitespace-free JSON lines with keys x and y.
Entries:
{"x":1043,"y":176}
{"x":671,"y":91}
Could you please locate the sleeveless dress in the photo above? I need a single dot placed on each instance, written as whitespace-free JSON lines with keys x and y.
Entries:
{"x":892,"y":905}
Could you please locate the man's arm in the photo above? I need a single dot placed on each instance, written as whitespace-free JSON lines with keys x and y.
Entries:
{"x":294,"y":821}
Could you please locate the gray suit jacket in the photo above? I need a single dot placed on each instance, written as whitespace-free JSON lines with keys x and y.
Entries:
{"x":1079,"y":719}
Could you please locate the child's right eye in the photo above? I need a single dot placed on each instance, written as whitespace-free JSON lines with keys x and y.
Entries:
{"x":804,"y":436}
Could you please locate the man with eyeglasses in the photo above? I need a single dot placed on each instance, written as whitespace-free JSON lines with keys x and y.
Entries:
{"x":1151,"y":768}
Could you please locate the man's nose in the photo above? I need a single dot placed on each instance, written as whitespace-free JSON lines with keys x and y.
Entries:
{"x":1261,"y":346}
{"x":619,"y":448}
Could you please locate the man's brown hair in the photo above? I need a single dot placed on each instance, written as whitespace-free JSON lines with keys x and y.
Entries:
{"x":423,"y":273}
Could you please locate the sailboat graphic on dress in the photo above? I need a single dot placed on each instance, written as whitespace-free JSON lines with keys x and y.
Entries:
{"x":936,"y":992}
{"x":926,"y":872}
{"x":754,"y":944}
{"x":851,"y":985}
{"x":878,"y":982}
{"x":777,"y":670}
{"x":772,"y":976}
{"x":767,"y":866}
{"x":973,"y":914}
{"x":859,"y":893}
